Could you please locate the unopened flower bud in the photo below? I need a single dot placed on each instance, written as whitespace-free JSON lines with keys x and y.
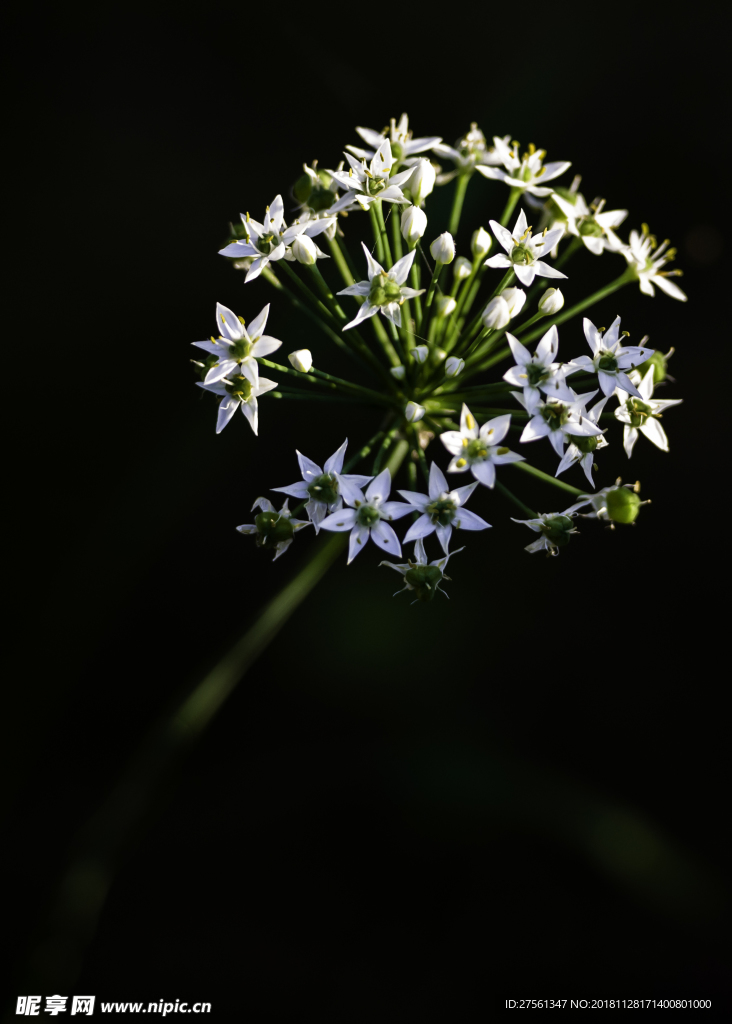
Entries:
{"x":454,"y":366}
{"x":480,"y":243}
{"x":444,"y":305}
{"x":420,"y":353}
{"x":413,"y":412}
{"x":422,"y":181}
{"x":304,"y":250}
{"x":496,"y":314}
{"x":414,"y":224}
{"x":397,"y":372}
{"x":463,"y":268}
{"x":301,"y":360}
{"x":659,"y":362}
{"x":551,"y":302}
{"x":515,"y":299}
{"x":443,"y":248}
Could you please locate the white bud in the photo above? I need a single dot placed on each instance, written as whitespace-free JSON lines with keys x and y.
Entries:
{"x":443,"y":248}
{"x":463,"y":268}
{"x":422,"y":181}
{"x":304,"y":250}
{"x":444,"y":305}
{"x":414,"y":224}
{"x":301,"y":360}
{"x":496,"y":314}
{"x":551,"y":301}
{"x":514,"y":299}
{"x":413,"y":412}
{"x":398,"y":372}
{"x":480,"y":243}
{"x":420,"y":353}
{"x":454,"y":366}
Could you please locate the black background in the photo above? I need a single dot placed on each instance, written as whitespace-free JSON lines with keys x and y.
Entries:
{"x":402,"y":809}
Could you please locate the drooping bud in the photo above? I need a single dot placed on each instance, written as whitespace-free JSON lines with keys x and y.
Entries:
{"x":301,"y":360}
{"x":273,"y":529}
{"x":304,"y":250}
{"x":420,"y":353}
{"x":413,"y":224}
{"x":454,"y":366}
{"x":496,"y":314}
{"x":551,"y":302}
{"x":413,"y":412}
{"x":557,"y":530}
{"x":463,"y":268}
{"x":444,"y":305}
{"x":397,"y":372}
{"x":421,"y":181}
{"x":480,"y":243}
{"x":515,"y":299}
{"x":423,"y":580}
{"x":443,"y":248}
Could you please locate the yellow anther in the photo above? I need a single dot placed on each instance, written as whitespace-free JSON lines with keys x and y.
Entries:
{"x":490,"y":432}
{"x":214,"y":340}
{"x":532,"y":149}
{"x":542,"y":171}
{"x":241,"y":320}
{"x":465,"y":442}
{"x":470,"y":422}
{"x":460,"y":463}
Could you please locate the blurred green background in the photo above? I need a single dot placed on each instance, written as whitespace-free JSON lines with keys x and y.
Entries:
{"x":400,"y":806}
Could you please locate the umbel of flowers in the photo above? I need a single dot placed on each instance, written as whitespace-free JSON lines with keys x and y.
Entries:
{"x":455,"y":356}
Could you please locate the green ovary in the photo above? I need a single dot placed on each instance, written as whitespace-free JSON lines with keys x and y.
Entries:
{"x":368,"y":516}
{"x":442,"y":512}
{"x":324,"y":488}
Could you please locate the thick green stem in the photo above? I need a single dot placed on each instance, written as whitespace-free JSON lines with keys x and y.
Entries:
{"x":326,"y":291}
{"x":384,"y":236}
{"x":340,"y":261}
{"x":461,"y":185}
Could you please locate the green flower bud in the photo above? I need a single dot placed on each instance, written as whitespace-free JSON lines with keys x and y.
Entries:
{"x":302,"y":188}
{"x":273,"y":529}
{"x":622,"y":504}
{"x":659,"y":362}
{"x":423,"y":580}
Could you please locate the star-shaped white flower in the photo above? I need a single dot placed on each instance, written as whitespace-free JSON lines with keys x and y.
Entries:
{"x":370,"y":516}
{"x":555,"y":529}
{"x":384,"y":290}
{"x":441,"y":510}
{"x":421,"y":576}
{"x":237,"y":392}
{"x":479,"y":450}
{"x":524,"y":172}
{"x":641,"y":414}
{"x":267,"y":242}
{"x":539,"y":372}
{"x":469,"y":153}
{"x":524,"y":251}
{"x":610,"y":359}
{"x":324,"y":489}
{"x":237,"y":348}
{"x":647,"y":259}
{"x":582,"y":449}
{"x":594,"y":225}
{"x":559,"y":421}
{"x":365,"y":184}
{"x":403,"y":146}
{"x":274,"y":530}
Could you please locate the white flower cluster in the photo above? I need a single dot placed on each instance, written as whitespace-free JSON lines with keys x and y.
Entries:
{"x":429,"y":331}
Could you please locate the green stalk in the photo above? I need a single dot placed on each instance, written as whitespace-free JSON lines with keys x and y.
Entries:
{"x":378,"y":240}
{"x":461,"y":185}
{"x":384,"y":236}
{"x":340,"y":262}
{"x":502,"y":489}
{"x":625,"y":278}
{"x":533,"y":471}
{"x":317,"y":378}
{"x":414,"y":278}
{"x":513,"y":198}
{"x":326,"y":291}
{"x":363,"y":452}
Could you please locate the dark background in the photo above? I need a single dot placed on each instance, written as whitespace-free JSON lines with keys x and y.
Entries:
{"x":520,"y":792}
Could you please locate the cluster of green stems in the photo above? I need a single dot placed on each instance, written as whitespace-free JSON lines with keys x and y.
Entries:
{"x":460,"y":333}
